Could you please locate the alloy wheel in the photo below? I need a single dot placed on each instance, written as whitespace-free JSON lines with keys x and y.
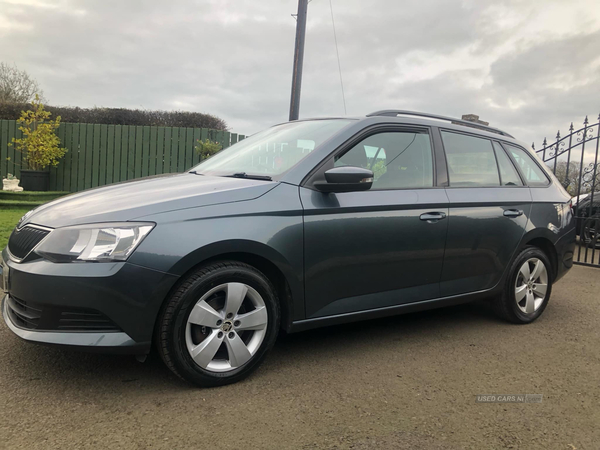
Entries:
{"x":531,"y":285}
{"x":226,"y":327}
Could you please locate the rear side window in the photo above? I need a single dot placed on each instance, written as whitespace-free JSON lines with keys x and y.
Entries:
{"x":530,"y":170}
{"x":471,"y":160}
{"x":508,"y":173}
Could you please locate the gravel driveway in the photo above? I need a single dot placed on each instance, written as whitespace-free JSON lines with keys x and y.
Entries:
{"x":407,"y":382}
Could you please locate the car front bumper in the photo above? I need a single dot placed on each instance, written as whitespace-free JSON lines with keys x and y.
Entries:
{"x":90,"y":340}
{"x":106,"y":307}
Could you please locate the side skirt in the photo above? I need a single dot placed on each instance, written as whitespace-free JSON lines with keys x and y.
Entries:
{"x":308,"y":324}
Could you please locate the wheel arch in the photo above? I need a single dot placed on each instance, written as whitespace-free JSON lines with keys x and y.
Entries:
{"x":271,"y":263}
{"x":545,"y":245}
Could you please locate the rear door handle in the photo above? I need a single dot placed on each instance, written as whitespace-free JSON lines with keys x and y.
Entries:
{"x":432,"y":216}
{"x":513,"y":213}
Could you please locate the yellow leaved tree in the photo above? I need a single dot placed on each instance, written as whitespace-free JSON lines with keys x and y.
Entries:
{"x":40,"y":146}
{"x":207,"y":148}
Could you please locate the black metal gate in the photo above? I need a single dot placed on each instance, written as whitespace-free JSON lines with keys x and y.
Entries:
{"x":574,"y":160}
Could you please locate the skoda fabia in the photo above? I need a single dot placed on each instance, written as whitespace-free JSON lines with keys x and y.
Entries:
{"x":307,"y":224}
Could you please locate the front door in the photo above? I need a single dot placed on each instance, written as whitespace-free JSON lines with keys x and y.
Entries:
{"x":382,"y":247}
{"x":489,"y":209}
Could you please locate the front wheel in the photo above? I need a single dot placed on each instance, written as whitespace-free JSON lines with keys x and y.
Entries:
{"x":218,"y":326}
{"x":527,"y":289}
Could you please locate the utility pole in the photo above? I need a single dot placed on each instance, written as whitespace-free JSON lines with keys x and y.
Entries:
{"x":298,"y":59}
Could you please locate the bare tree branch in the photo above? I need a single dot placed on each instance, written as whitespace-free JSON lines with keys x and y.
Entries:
{"x":16,"y":86}
{"x":571,"y":184}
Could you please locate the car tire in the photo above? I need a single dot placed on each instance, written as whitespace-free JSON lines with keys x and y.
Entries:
{"x":527,"y":288}
{"x":219,"y":324}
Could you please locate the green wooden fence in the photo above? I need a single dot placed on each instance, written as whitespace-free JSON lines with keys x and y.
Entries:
{"x":103,"y":154}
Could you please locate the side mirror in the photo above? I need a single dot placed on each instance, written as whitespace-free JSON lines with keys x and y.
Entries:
{"x":346,"y":179}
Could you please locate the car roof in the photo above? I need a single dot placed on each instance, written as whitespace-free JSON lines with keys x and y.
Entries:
{"x":426,"y":119}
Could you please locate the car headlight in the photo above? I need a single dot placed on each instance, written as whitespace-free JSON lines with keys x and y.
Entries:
{"x":94,"y":242}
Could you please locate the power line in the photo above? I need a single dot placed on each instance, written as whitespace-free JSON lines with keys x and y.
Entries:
{"x":338,"y":56}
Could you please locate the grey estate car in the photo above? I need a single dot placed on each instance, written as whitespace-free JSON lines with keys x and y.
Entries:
{"x":307,"y":224}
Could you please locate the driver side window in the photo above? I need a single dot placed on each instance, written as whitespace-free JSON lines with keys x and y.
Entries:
{"x":398,"y":160}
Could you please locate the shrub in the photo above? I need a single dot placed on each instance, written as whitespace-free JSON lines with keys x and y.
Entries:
{"x":207,"y":148}
{"x":379,"y":169}
{"x":121,"y":116}
{"x":39,"y":144}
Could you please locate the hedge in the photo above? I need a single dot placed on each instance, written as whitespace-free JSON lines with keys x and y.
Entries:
{"x":120,"y":116}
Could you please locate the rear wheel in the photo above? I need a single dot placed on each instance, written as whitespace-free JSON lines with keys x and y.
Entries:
{"x":219,"y":325}
{"x":527,"y":288}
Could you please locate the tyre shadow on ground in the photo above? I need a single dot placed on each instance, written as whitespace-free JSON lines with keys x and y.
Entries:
{"x":59,"y":368}
{"x":414,"y":329}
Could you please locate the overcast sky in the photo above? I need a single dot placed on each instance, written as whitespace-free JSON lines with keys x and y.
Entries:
{"x":530,"y":67}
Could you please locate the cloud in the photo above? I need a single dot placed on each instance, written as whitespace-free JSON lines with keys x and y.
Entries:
{"x":528,"y":67}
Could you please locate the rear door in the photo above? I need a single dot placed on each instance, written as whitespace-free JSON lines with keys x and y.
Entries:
{"x":489,"y":209}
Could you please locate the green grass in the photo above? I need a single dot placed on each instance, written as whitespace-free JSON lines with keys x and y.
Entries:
{"x":40,"y":193}
{"x":20,"y":203}
{"x":9,"y":216}
{"x":13,"y":205}
{"x":27,"y":198}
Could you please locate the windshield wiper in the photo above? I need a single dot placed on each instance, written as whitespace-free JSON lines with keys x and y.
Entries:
{"x":195,"y":173}
{"x":249,"y":176}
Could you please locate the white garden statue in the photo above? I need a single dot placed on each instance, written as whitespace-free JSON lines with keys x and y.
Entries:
{"x":11,"y":183}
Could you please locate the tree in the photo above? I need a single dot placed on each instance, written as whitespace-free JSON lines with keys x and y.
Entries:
{"x":39,"y":144}
{"x":571,"y":183}
{"x":207,"y":148}
{"x":16,"y":86}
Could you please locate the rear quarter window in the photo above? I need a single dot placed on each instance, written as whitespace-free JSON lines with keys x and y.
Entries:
{"x":533,"y":174}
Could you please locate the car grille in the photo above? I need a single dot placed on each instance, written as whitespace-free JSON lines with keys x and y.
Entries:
{"x":22,"y":241}
{"x":85,"y":321}
{"x":33,"y":316}
{"x":23,"y":314}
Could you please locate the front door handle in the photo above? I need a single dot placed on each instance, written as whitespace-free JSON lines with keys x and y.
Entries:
{"x":432,"y":217}
{"x":513,"y":213}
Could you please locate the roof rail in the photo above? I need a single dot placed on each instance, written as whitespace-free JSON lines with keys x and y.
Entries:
{"x":400,"y":112}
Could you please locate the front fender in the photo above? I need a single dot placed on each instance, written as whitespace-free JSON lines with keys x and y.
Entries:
{"x":269,"y":227}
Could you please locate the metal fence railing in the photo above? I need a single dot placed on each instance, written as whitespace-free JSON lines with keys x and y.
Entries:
{"x":574,"y":160}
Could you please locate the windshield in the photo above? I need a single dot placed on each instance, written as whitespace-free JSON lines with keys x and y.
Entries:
{"x":273,"y":151}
